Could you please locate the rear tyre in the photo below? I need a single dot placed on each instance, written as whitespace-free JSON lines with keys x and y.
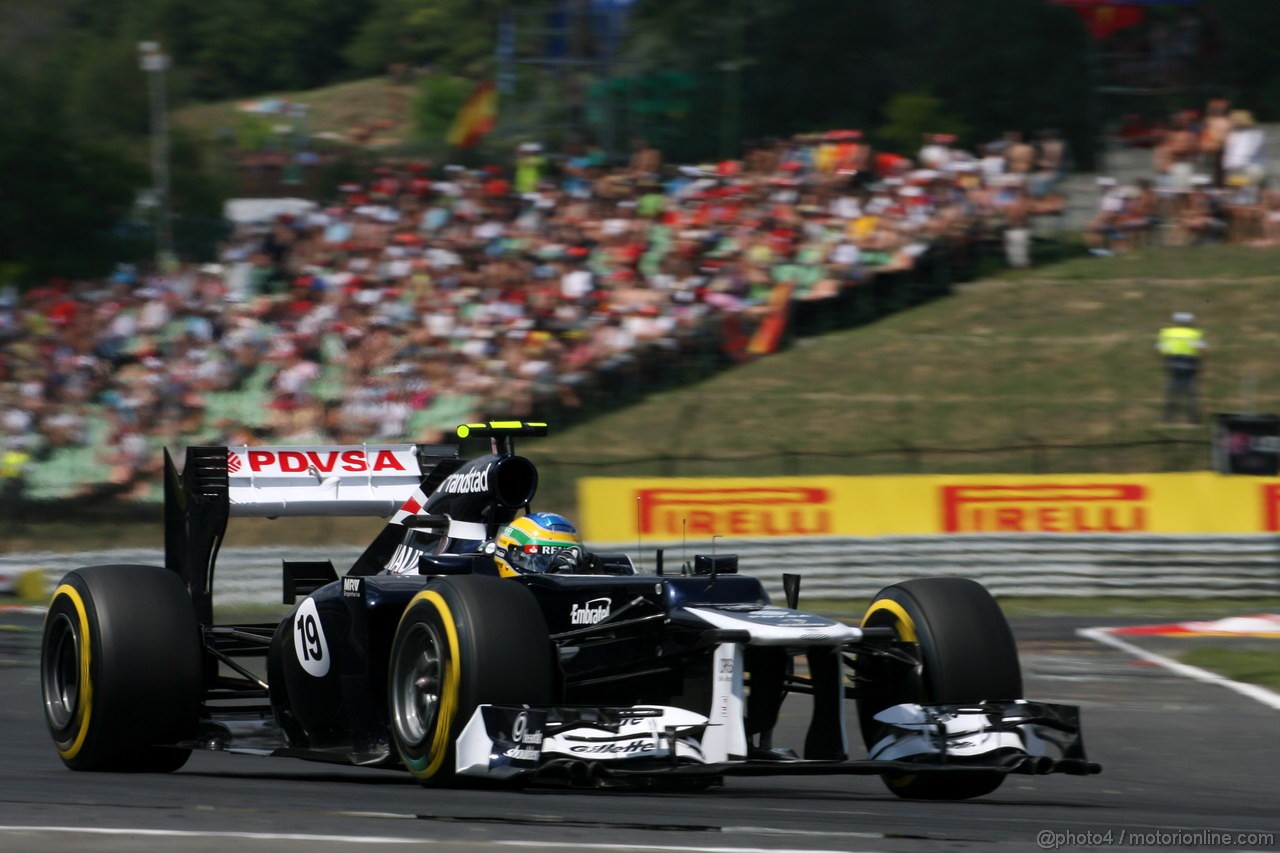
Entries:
{"x":120,"y":669}
{"x":967,"y":654}
{"x":463,"y":641}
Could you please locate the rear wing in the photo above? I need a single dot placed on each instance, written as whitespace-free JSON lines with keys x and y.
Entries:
{"x":327,"y":480}
{"x":217,"y":483}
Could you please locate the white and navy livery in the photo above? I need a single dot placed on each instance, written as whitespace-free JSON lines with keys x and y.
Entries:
{"x":422,"y":657}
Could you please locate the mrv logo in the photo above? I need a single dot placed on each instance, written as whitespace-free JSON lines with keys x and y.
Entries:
{"x":593,"y":612}
{"x":470,"y":483}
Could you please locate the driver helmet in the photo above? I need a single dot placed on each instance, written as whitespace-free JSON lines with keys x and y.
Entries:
{"x":533,"y":543}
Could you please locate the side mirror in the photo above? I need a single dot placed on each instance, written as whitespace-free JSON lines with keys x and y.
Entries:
{"x":455,"y":564}
{"x":705,"y":564}
{"x":427,"y":522}
{"x":615,"y":564}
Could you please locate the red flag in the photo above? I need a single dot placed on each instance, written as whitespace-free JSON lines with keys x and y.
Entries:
{"x":1105,"y":18}
{"x":1105,"y":21}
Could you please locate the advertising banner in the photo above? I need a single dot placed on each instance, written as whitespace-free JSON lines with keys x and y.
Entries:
{"x":671,"y":509}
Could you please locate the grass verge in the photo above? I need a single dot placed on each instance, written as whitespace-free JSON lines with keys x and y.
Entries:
{"x":1252,"y":665}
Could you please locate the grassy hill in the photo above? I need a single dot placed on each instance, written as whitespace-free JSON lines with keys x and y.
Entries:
{"x":1045,"y":359}
{"x":376,"y":109}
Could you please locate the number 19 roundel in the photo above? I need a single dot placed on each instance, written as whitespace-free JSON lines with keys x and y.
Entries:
{"x":308,"y":640}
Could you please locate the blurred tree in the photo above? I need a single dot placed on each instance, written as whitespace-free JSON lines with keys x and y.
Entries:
{"x":1012,"y":65}
{"x":62,"y":197}
{"x":199,"y":190}
{"x":224,"y":49}
{"x":75,"y":141}
{"x":241,"y":47}
{"x":456,"y":36}
{"x":996,"y":65}
{"x":910,"y":115}
{"x":105,"y":92}
{"x":824,"y":64}
{"x":1242,"y":47}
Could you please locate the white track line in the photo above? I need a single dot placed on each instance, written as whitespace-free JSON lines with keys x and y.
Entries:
{"x":377,"y":839}
{"x":250,"y":836}
{"x":562,"y":845}
{"x":1253,"y":691}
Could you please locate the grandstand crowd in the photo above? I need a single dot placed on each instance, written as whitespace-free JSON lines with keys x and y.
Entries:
{"x":428,"y":296}
{"x":1207,"y":183}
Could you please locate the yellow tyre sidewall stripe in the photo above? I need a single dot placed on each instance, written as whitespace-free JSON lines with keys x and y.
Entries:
{"x":84,"y":703}
{"x":905,"y":625}
{"x":449,"y":689}
{"x":906,"y":628}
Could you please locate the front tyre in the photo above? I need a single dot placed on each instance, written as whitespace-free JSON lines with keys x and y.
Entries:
{"x":464,"y":641}
{"x":120,"y":669}
{"x":966,"y":654}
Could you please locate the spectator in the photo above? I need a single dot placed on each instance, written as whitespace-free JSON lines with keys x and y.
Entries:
{"x":1016,"y":207}
{"x":1213,"y":138}
{"x":1201,"y":218}
{"x":936,"y":152}
{"x":1050,"y":162}
{"x":1243,"y":153}
{"x":646,"y":160}
{"x":1103,"y":231}
{"x":1270,"y":217}
{"x":1175,"y":155}
{"x":1140,"y":216}
{"x":1019,"y":155}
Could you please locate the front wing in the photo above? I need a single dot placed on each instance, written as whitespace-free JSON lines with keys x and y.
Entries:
{"x":594,"y":745}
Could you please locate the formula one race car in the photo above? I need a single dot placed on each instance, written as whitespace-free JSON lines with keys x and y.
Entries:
{"x":433,"y":653}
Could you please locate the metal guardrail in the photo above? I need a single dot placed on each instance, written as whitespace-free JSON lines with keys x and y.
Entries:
{"x":845,"y":568}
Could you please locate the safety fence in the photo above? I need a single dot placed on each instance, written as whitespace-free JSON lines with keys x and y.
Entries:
{"x":840,"y":568}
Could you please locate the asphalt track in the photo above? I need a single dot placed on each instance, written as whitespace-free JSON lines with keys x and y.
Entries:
{"x":1184,"y":762}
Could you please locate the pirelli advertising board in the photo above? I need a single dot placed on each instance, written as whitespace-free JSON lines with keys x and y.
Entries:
{"x":620,"y":510}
